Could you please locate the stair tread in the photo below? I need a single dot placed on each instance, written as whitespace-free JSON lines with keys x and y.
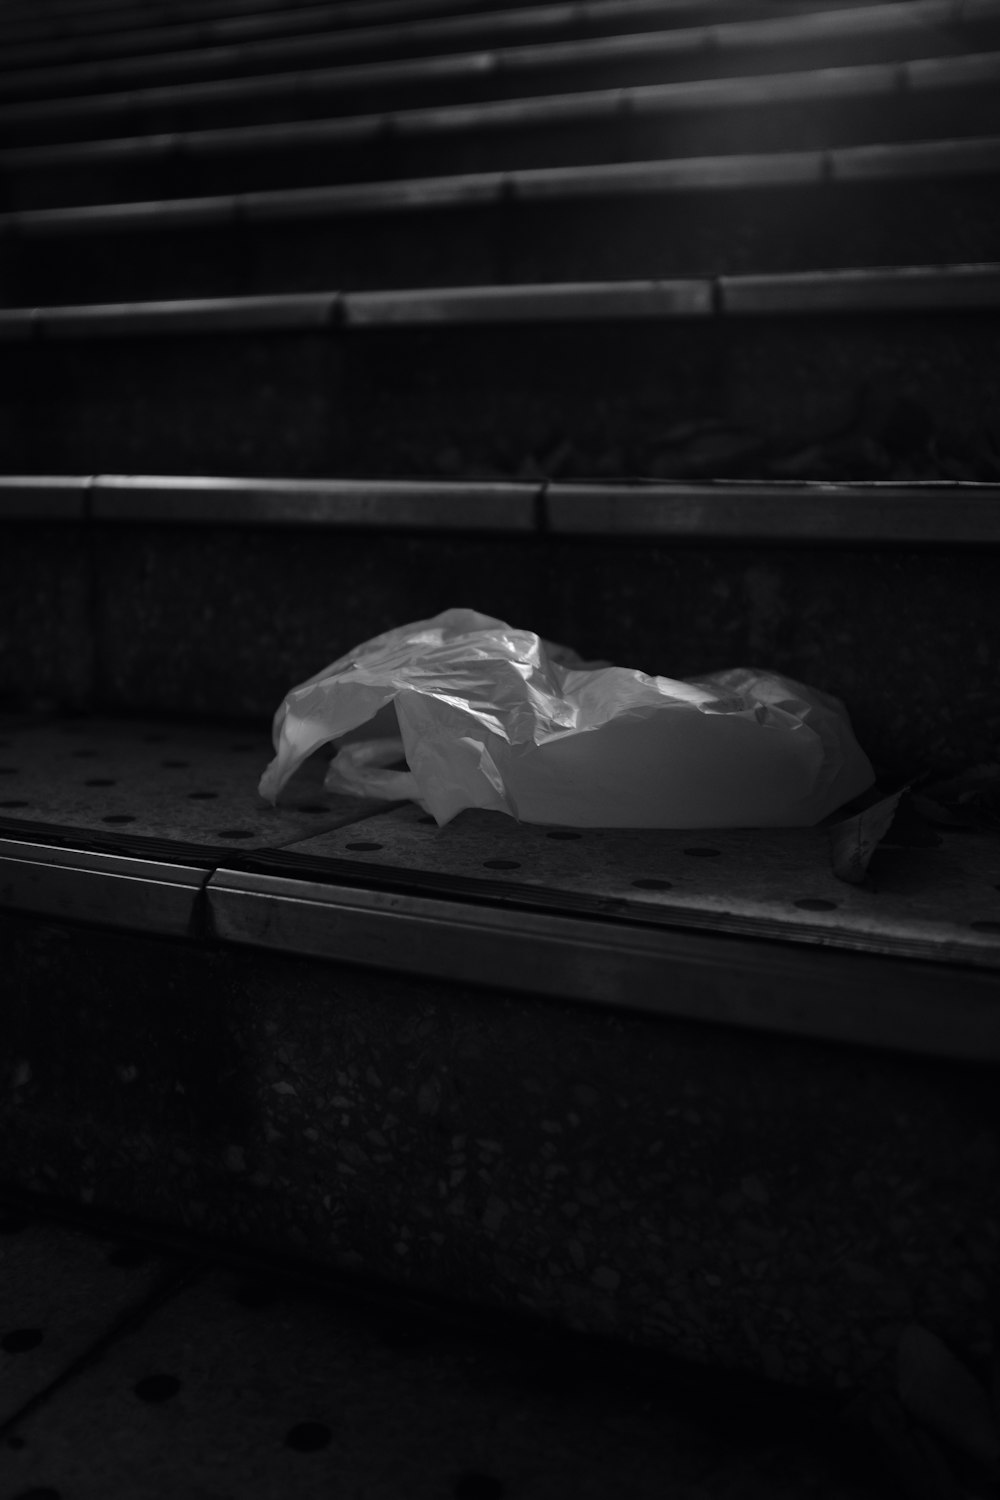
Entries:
{"x":182,"y":784}
{"x":185,"y":786}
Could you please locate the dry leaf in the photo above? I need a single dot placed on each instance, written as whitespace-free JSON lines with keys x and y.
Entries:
{"x":854,"y":840}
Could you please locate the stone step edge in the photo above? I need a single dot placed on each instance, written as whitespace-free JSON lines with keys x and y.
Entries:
{"x":874,"y":291}
{"x":939,"y":17}
{"x":954,"y":514}
{"x":891,"y":81}
{"x":804,"y":990}
{"x":849,"y":165}
{"x":206,"y":44}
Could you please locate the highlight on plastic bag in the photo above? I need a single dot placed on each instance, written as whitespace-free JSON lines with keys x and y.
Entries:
{"x":494,"y":717}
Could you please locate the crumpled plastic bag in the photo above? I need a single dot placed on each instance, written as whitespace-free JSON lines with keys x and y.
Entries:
{"x":494,"y":717}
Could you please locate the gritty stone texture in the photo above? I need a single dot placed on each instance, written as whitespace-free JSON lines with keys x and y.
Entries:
{"x":292,"y":601}
{"x":909,"y":640}
{"x":46,"y":640}
{"x":509,"y":400}
{"x":190,"y":784}
{"x":754,"y":1202}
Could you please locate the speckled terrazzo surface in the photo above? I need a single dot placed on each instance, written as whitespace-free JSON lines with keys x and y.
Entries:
{"x":195,"y":785}
{"x":941,"y":903}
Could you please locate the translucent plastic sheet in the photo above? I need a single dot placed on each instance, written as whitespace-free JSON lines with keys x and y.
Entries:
{"x":493,"y":717}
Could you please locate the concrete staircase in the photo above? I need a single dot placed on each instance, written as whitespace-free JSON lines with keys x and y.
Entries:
{"x":666,"y":329}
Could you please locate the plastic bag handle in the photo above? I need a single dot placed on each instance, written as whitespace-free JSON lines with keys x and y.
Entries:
{"x":359,"y":770}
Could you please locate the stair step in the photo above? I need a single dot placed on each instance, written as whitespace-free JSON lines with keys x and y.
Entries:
{"x":128,"y":616}
{"x":638,"y":1070}
{"x":872,"y":34}
{"x":858,"y":206}
{"x":475,"y":381}
{"x":319,"y":881}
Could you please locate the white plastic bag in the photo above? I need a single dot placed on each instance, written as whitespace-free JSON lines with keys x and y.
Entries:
{"x":492,"y":717}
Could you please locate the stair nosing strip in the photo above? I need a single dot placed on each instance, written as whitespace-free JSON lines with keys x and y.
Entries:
{"x":898,"y":513}
{"x":670,"y":971}
{"x":849,"y":165}
{"x":886,"y":290}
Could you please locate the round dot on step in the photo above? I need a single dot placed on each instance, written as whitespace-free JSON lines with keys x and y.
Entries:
{"x":702,"y":852}
{"x":650,"y":884}
{"x":563,"y":833}
{"x":233,"y":833}
{"x":100,"y":781}
{"x":118,"y":818}
{"x":308,"y":1437}
{"x":157,"y":1387}
{"x":985,"y":926}
{"x":203,"y":796}
{"x":501,"y":864}
{"x":361,"y":848}
{"x":20,"y":1340}
{"x":478,"y":1487}
{"x":816,"y":903}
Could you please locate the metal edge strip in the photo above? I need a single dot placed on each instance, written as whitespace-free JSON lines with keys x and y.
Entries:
{"x":417,"y":504}
{"x":900,"y":1005}
{"x":782,"y":511}
{"x":815,"y":992}
{"x":844,"y":166}
{"x":139,"y":895}
{"x":785,"y":512}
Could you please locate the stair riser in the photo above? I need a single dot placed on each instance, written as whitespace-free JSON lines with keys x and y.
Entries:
{"x":690,"y":1188}
{"x":133,"y":619}
{"x":297,"y":102}
{"x":578,"y":399}
{"x":595,"y":238}
{"x":846,"y":122}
